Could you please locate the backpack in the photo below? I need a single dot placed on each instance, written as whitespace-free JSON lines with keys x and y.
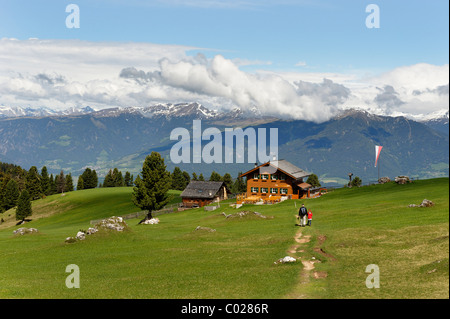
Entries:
{"x":303,"y":211}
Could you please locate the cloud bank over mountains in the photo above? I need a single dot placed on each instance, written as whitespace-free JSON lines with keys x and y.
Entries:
{"x":65,"y":73}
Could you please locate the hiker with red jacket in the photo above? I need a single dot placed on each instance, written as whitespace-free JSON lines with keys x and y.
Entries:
{"x":309,"y":217}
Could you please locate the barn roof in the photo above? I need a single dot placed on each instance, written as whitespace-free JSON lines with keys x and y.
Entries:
{"x":284,"y":166}
{"x":202,"y":189}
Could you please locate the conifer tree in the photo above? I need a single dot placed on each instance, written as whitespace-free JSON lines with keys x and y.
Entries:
{"x":61,"y":183}
{"x":90,"y":178}
{"x":11,"y":195}
{"x":151,"y":192}
{"x":69,"y":183}
{"x":127,"y":179}
{"x":45,"y":181}
{"x":80,"y":183}
{"x":313,"y":180}
{"x":201,"y":178}
{"x":178,"y":180}
{"x":215,"y":177}
{"x":194,"y":177}
{"x":239,"y":185}
{"x":117,"y":178}
{"x":228,"y":181}
{"x":33,"y":183}
{"x":23,"y":206}
{"x":109,"y":180}
{"x":52,"y":185}
{"x":187,"y":179}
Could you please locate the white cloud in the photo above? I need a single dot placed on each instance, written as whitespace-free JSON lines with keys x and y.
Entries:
{"x":66,"y":73}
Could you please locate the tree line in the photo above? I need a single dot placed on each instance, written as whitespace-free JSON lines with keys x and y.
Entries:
{"x":18,"y":187}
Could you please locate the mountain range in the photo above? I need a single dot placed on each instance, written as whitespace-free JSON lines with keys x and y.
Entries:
{"x":77,"y":138}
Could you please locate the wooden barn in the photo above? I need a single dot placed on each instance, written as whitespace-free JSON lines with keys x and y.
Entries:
{"x":201,"y":193}
{"x":273,"y":180}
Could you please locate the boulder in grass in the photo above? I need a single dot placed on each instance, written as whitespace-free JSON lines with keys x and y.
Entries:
{"x":112,"y":223}
{"x":91,"y":230}
{"x":151,"y":221}
{"x":425,"y":203}
{"x":210,"y":230}
{"x":23,"y":230}
{"x":287,"y":259}
{"x":80,"y":235}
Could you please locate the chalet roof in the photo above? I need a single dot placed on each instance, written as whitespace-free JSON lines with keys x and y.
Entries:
{"x":285,"y":167}
{"x":304,"y":185}
{"x":202,"y":189}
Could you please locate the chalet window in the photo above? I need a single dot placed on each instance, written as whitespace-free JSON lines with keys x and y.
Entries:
{"x":274,"y":190}
{"x":264,"y":190}
{"x":254,"y":189}
{"x":283,"y":190}
{"x":265,"y":176}
{"x":256,"y":176}
{"x":273,"y":177}
{"x":282,"y":177}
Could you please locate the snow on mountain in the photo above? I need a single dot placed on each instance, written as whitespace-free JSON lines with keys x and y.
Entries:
{"x":17,"y":111}
{"x":191,"y":109}
{"x":178,"y":110}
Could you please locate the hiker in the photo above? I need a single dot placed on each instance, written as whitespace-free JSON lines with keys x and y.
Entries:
{"x":309,"y":217}
{"x":302,"y":214}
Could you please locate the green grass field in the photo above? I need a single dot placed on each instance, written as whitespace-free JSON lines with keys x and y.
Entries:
{"x":351,"y":229}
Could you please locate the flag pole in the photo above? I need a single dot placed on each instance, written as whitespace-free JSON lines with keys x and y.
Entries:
{"x":378,"y":170}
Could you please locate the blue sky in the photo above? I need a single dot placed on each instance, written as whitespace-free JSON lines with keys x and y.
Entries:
{"x":325,"y":35}
{"x":322,"y":51}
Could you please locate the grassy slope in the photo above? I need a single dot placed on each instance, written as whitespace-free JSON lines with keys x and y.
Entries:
{"x":369,"y":225}
{"x":169,"y":260}
{"x":373,"y":225}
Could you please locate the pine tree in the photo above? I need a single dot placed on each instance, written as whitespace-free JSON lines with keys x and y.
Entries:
{"x":5,"y":182}
{"x":201,"y":178}
{"x":127,"y":179}
{"x":61,"y":183}
{"x":194,"y":177}
{"x":187,"y":179}
{"x":215,"y":177}
{"x":313,"y":180}
{"x":239,"y":185}
{"x":228,"y":181}
{"x":90,"y":178}
{"x":69,"y":183}
{"x":11,"y":195}
{"x":80,"y":183}
{"x":23,"y":206}
{"x":94,"y":181}
{"x":151,"y":192}
{"x":33,"y":183}
{"x":178,"y":180}
{"x":45,"y":181}
{"x":117,"y":178}
{"x":52,"y":185}
{"x":109,"y":180}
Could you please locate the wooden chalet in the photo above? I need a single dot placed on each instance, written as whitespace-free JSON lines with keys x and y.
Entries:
{"x":201,"y":193}
{"x":273,"y":180}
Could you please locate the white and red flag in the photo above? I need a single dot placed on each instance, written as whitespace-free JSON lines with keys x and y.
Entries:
{"x":377,"y":153}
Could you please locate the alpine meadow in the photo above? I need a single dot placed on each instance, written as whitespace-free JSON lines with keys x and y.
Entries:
{"x":224,"y":158}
